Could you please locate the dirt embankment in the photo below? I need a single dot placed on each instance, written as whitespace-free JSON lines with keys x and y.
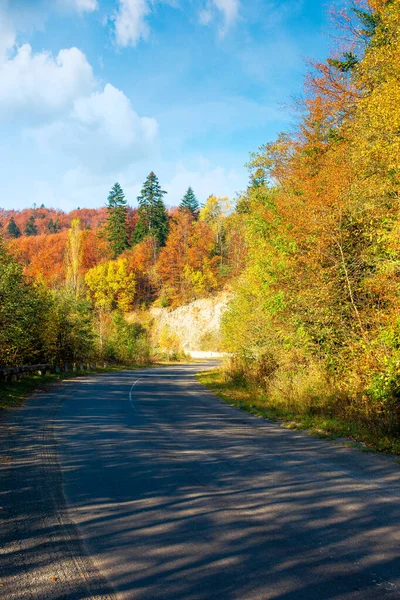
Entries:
{"x":196,"y":325}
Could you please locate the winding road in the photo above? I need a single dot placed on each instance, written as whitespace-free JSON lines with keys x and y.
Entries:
{"x":142,"y":485}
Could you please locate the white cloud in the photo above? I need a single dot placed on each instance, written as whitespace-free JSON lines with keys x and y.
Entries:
{"x":228,"y":9}
{"x":18,"y":16}
{"x":205,"y":180}
{"x":41,"y":84}
{"x":80,"y":5}
{"x":102,"y":132}
{"x":205,"y":16}
{"x":111,"y":113}
{"x":7,"y":34}
{"x":56,"y":103}
{"x":81,"y":187}
{"x":130,"y":22}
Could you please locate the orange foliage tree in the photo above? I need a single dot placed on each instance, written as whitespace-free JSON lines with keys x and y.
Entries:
{"x":42,"y":257}
{"x":186,"y":264}
{"x":142,"y":260}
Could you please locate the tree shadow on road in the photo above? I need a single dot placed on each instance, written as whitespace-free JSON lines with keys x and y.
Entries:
{"x":179,"y":496}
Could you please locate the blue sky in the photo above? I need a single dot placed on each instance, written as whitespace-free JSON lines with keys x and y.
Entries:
{"x":98,"y":91}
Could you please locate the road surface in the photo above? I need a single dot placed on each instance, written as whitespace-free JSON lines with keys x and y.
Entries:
{"x":142,"y":485}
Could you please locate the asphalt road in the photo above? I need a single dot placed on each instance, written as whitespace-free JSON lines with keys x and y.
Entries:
{"x":143,"y":485}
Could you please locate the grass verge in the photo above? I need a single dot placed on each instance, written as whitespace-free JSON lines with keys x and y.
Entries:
{"x":255,"y":402}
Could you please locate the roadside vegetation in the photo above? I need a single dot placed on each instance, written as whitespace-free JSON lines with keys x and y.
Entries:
{"x":315,"y":321}
{"x":310,"y":252}
{"x":322,"y":423}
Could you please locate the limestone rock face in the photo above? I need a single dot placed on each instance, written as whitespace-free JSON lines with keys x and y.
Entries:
{"x":197,"y":325}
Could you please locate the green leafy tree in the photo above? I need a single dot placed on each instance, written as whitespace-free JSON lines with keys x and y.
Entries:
{"x":153,"y":218}
{"x":190,"y":203}
{"x":126,"y":343}
{"x":23,"y":310}
{"x":116,"y":230}
{"x":12,"y":229}
{"x":30,"y":227}
{"x":70,"y":336}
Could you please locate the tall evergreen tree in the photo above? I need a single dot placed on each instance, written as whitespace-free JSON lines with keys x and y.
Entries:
{"x":190,"y":203}
{"x":30,"y":227}
{"x":53,"y":226}
{"x":116,"y":230}
{"x":12,"y":229}
{"x":153,"y":218}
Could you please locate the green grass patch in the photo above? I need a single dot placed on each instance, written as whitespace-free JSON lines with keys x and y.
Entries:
{"x":255,"y":402}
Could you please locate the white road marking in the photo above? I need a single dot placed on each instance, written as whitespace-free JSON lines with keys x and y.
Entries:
{"x":130,"y":394}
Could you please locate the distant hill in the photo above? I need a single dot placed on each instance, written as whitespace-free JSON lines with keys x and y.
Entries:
{"x":51,"y":220}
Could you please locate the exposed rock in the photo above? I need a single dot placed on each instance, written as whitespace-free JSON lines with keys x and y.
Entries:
{"x":196,"y":325}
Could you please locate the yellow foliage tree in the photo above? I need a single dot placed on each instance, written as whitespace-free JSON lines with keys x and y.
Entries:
{"x":111,"y":285}
{"x":74,"y":257}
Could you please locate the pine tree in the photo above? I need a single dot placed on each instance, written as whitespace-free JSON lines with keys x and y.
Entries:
{"x":190,"y":203}
{"x":30,"y":227}
{"x":346,"y":65}
{"x":116,"y":230}
{"x":12,"y":229}
{"x":53,"y":226}
{"x":153,"y":218}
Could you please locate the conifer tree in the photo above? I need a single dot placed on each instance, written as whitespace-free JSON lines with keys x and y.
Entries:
{"x":12,"y":229}
{"x":53,"y":226}
{"x":50,"y":226}
{"x":190,"y":203}
{"x":116,"y":230}
{"x":153,"y":218}
{"x":30,"y":227}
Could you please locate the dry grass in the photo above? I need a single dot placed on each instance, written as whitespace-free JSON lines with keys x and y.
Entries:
{"x":314,"y":415}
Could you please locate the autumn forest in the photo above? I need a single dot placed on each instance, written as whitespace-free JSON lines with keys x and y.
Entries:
{"x":309,"y":252}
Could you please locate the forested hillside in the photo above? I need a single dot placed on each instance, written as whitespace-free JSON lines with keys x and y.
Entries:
{"x":316,"y":318}
{"x":69,"y":280}
{"x":311,"y":250}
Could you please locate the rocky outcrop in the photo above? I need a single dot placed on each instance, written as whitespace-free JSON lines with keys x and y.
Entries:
{"x":196,"y":326}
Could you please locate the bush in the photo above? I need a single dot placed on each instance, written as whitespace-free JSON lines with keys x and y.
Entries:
{"x":127,"y":343}
{"x":169,"y":344}
{"x":70,"y":335}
